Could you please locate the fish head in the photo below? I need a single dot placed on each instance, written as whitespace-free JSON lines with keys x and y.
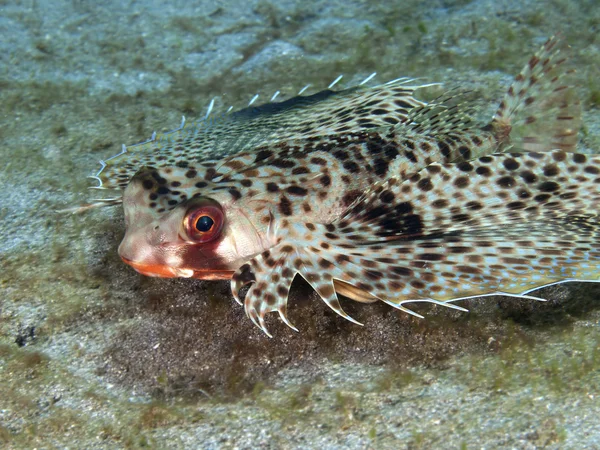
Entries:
{"x":178,"y":226}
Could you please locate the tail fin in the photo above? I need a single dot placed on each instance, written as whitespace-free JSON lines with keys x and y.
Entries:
{"x":540,"y":112}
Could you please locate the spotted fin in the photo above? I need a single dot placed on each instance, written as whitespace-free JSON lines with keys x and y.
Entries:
{"x":451,"y":112}
{"x":302,"y":117}
{"x":504,"y":224}
{"x":540,"y":112}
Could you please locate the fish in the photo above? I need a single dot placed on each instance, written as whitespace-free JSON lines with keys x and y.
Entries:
{"x":371,"y":194}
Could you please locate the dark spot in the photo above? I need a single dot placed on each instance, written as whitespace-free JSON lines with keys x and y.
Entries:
{"x":528,"y":176}
{"x":262,"y":155}
{"x":548,"y":186}
{"x":591,"y":169}
{"x":162,"y":190}
{"x":272,"y":187}
{"x":413,"y":224}
{"x":505,"y":182}
{"x":425,"y":146}
{"x":391,"y":152}
{"x":381,"y":166}
{"x":431,"y":257}
{"x":283,"y":163}
{"x":387,"y":196}
{"x":568,"y":195}
{"x":417,"y":284}
{"x":464,"y":151}
{"x":425,"y":184}
{"x":324,"y":264}
{"x":511,"y":164}
{"x":465,"y":166}
{"x":461,"y":182}
{"x":285,"y":206}
{"x":551,"y":170}
{"x":210,"y":174}
{"x":318,"y":161}
{"x":402,"y":104}
{"x":433,"y":168}
{"x":282,"y":291}
{"x":460,"y":249}
{"x":439,"y":204}
{"x":341,"y":258}
{"x":374,"y":147}
{"x":201,"y":184}
{"x":542,"y":197}
{"x":484,"y":171}
{"x":516,"y":205}
{"x":246,"y":183}
{"x":300,"y":170}
{"x":411,"y":156}
{"x":148,"y":184}
{"x":579,"y":158}
{"x":342,"y":155}
{"x":235,"y":194}
{"x":468,"y":269}
{"x":350,"y":197}
{"x":461,"y":217}
{"x":325,"y":180}
{"x":296,"y":190}
{"x":351,"y":167}
{"x":373,"y":274}
{"x":444,"y":149}
{"x":191,"y":173}
{"x":158,"y":178}
{"x":403,"y":208}
{"x":403,"y":271}
{"x":326,"y":291}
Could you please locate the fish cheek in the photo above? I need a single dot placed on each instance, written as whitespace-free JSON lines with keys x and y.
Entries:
{"x":207,"y":260}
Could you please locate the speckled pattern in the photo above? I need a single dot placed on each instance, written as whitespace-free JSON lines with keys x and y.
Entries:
{"x":370,"y":193}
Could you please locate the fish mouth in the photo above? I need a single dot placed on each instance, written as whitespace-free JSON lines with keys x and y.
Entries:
{"x":162,"y":271}
{"x":151,"y":270}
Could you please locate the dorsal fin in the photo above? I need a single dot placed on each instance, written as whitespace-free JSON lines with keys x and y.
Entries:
{"x":450,"y":112}
{"x":300,"y":118}
{"x":540,"y":112}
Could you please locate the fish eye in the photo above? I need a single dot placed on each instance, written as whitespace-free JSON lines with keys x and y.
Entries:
{"x":204,"y":224}
{"x":203,"y":221}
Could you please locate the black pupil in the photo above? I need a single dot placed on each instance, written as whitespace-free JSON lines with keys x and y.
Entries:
{"x":204,"y":224}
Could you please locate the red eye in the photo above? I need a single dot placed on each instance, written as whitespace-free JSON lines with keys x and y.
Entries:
{"x":204,"y":221}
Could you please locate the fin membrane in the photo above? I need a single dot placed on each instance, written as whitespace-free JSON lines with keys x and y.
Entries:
{"x":540,"y":111}
{"x":303,"y":117}
{"x":502,"y":224}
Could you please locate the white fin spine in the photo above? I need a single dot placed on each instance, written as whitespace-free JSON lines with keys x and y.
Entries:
{"x":336,"y":81}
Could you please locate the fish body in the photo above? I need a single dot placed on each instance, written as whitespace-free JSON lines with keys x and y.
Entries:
{"x":369,"y":193}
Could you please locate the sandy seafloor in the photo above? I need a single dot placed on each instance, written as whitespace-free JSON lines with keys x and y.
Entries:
{"x":93,"y":355}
